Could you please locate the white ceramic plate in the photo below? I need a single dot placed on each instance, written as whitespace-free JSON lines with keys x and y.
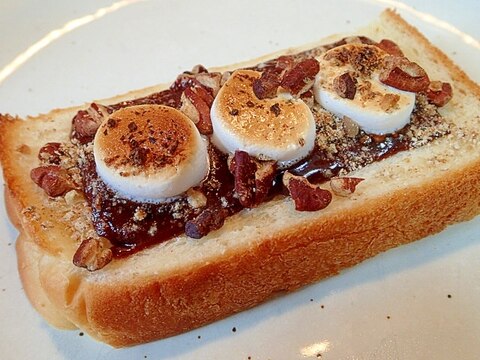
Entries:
{"x":416,"y":302}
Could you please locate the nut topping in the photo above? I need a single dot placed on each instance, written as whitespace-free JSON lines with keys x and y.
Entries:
{"x":86,"y":122}
{"x":267,"y":85}
{"x":53,"y":179}
{"x":390,"y":47}
{"x":403,"y":74}
{"x":91,"y":255}
{"x":50,"y":153}
{"x":351,"y":127}
{"x":389,"y":101}
{"x":299,"y":79}
{"x":264,"y":176}
{"x":208,"y":220}
{"x":345,"y":86}
{"x":306,"y":196}
{"x":344,"y":186}
{"x":243,"y":168}
{"x":439,"y":93}
{"x":202,"y":101}
{"x":253,"y":177}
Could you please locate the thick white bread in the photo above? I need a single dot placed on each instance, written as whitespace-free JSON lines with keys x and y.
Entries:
{"x":186,"y":283}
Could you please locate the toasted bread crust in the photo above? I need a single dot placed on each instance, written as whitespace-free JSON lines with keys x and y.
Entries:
{"x":126,"y":303}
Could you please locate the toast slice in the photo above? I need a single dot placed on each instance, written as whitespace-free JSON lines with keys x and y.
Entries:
{"x":185,"y":283}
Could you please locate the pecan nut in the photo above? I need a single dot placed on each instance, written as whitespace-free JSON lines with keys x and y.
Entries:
{"x":345,"y":86}
{"x":209,"y":219}
{"x":264,"y":176}
{"x":86,"y":122}
{"x":253,"y":178}
{"x":439,"y":93}
{"x":51,"y":153}
{"x":91,"y":255}
{"x":344,"y":186}
{"x":53,"y":179}
{"x":200,"y":99}
{"x":243,"y":168}
{"x":403,"y":74}
{"x":266,"y":85}
{"x":390,"y":47}
{"x":306,"y":196}
{"x":301,"y":76}
{"x":389,"y":101}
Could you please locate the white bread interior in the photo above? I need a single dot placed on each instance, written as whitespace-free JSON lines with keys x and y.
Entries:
{"x":185,"y":283}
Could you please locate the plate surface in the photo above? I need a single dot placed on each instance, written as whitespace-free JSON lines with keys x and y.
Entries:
{"x":419,"y":301}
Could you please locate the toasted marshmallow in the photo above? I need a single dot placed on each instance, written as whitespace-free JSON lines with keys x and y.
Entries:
{"x":281,"y":129}
{"x":376,"y":107}
{"x":150,"y":153}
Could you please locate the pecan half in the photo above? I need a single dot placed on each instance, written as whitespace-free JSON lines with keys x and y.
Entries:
{"x":403,"y":74}
{"x":345,"y":86}
{"x":300,"y":77}
{"x":208,"y":220}
{"x":243,"y":168}
{"x":198,"y":100}
{"x":211,"y":81}
{"x":86,"y":122}
{"x":189,"y":109}
{"x":439,"y":93}
{"x":306,"y":196}
{"x":91,"y":255}
{"x":50,"y":153}
{"x":390,"y":47}
{"x":264,"y":176}
{"x":53,"y":179}
{"x":253,"y":177}
{"x":266,"y":85}
{"x":344,"y":186}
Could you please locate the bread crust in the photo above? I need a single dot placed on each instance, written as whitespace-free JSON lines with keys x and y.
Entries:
{"x":138,"y":306}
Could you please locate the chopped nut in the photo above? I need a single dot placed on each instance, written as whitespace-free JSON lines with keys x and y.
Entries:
{"x":389,"y":101}
{"x":53,"y":179}
{"x":50,"y":153}
{"x":345,"y":86}
{"x":300,"y":77}
{"x":196,"y":199}
{"x":264,"y":176}
{"x":198,"y":100}
{"x":350,"y":126}
{"x":306,"y":196}
{"x":188,"y":109}
{"x":243,"y":168}
{"x":208,"y":220}
{"x":344,"y":186}
{"x":438,"y":93}
{"x":403,"y":74}
{"x":266,"y":85}
{"x":390,"y":47}
{"x":91,"y":255}
{"x":72,"y":197}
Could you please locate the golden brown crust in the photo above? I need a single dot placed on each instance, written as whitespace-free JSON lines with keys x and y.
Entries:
{"x":123,"y":307}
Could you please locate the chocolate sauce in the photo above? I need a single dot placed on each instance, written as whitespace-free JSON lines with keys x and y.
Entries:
{"x":319,"y":167}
